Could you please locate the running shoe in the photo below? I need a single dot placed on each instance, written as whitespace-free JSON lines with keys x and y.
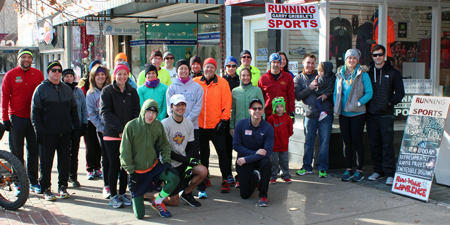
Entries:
{"x":273,"y":181}
{"x":106,"y":193}
{"x":207,"y":182}
{"x":76,"y":183}
{"x":125,"y":199}
{"x":48,"y":195}
{"x":298,"y":51}
{"x":302,"y":172}
{"x":62,"y":191}
{"x":263,"y":202}
{"x":225,"y":187}
{"x":17,"y":190}
{"x":375,"y":176}
{"x":36,"y":188}
{"x":322,"y":116}
{"x":389,"y":181}
{"x":237,"y":184}
{"x":257,"y":174}
{"x":90,"y":175}
{"x":323,"y":174}
{"x":231,"y":179}
{"x":115,"y":202}
{"x":189,"y":199}
{"x":202,"y":195}
{"x":98,"y":173}
{"x":161,"y":209}
{"x":347,"y":175}
{"x":288,"y":181}
{"x":358,"y":176}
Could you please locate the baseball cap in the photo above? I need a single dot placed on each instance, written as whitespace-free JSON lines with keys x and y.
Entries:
{"x":253,"y":101}
{"x":175,"y":99}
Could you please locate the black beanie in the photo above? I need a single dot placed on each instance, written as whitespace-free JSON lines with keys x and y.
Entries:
{"x":24,"y":51}
{"x":53,"y":64}
{"x":182,"y":62}
{"x":67,"y":71}
{"x":195,"y":59}
{"x":150,"y":67}
{"x":245,"y":52}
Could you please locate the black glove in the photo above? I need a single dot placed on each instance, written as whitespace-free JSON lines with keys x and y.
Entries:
{"x":8,"y":125}
{"x":40,"y":138}
{"x":133,"y":181}
{"x":194,"y":162}
{"x":188,"y":172}
{"x":84,"y":128}
{"x":169,"y":167}
{"x":76,"y":133}
{"x":292,"y":115}
{"x":220,"y":128}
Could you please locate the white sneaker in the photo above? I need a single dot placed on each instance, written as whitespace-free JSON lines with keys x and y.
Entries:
{"x":322,"y":116}
{"x":389,"y":181}
{"x":375,"y":176}
{"x":106,"y":193}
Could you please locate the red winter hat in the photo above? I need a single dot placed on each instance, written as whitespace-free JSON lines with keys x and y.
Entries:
{"x":121,"y":67}
{"x":210,"y":60}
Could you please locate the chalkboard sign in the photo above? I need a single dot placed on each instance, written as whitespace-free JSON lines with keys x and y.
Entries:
{"x":420,"y":146}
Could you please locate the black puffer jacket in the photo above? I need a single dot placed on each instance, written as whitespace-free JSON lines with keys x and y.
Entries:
{"x":326,"y":82}
{"x":388,"y":89}
{"x":54,"y":109}
{"x":118,"y":108}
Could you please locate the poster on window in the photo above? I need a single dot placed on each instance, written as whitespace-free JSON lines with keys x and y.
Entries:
{"x":292,"y":17}
{"x":420,"y":146}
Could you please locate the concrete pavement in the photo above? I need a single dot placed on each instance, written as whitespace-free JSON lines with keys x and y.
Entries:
{"x":308,"y":200}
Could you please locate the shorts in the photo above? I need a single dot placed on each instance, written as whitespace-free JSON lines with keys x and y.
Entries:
{"x":183,"y":182}
{"x":148,"y":180}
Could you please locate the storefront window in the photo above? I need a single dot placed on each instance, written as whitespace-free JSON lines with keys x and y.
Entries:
{"x":85,"y":49}
{"x":444,"y":76}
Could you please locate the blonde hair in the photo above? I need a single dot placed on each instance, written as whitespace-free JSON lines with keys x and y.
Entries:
{"x":320,"y":67}
{"x":92,"y":74}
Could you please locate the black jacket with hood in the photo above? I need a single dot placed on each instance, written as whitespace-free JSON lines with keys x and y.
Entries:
{"x":54,"y":109}
{"x":326,"y":82}
{"x":118,"y":108}
{"x":388,"y":89}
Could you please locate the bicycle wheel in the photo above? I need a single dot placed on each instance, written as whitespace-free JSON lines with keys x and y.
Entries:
{"x":12,"y":176}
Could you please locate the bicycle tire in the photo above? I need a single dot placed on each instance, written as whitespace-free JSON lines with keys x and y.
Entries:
{"x":22,"y":177}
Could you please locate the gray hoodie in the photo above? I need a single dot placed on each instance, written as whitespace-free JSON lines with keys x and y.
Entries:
{"x":93,"y":108}
{"x":193,"y":93}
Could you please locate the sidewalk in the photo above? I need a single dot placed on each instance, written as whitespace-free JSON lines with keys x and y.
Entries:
{"x":308,"y":200}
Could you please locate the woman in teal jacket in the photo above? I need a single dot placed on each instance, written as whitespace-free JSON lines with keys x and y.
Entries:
{"x":353,"y":89}
{"x":153,"y":89}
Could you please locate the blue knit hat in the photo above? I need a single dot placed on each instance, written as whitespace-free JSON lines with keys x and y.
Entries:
{"x":230,"y":59}
{"x":275,"y":56}
{"x":93,"y":63}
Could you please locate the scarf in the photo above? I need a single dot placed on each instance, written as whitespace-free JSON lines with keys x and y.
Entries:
{"x":152,"y":83}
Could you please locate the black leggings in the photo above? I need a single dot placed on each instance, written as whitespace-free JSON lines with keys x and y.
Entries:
{"x":352,"y":129}
{"x":112,"y":149}
{"x":218,"y":140}
{"x":93,"y":148}
{"x":105,"y":160}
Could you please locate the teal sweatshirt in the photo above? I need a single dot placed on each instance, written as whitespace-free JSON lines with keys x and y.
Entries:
{"x":158,"y":94}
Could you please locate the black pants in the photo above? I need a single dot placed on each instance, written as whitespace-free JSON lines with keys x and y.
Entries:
{"x":352,"y":129}
{"x":105,"y":160}
{"x":248,"y":181}
{"x":381,"y":137}
{"x":93,"y":149}
{"x":74,"y":148}
{"x":219,"y":144}
{"x":60,"y":143}
{"x":229,"y":145}
{"x":112,"y":149}
{"x":22,"y":128}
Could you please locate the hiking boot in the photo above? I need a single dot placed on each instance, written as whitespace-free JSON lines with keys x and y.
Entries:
{"x":288,"y":181}
{"x":36,"y":188}
{"x":48,"y":195}
{"x":263,"y":202}
{"x":347,"y":175}
{"x":273,"y":181}
{"x":189,"y":199}
{"x":302,"y":172}
{"x":62,"y":191}
{"x":389,"y":181}
{"x":375,"y":176}
{"x":161,"y":209}
{"x":125,"y":199}
{"x":358,"y":176}
{"x":202,"y":195}
{"x":323,"y":174}
{"x":90,"y":175}
{"x":231,"y":179}
{"x":106,"y":193}
{"x":225,"y":187}
{"x":115,"y":202}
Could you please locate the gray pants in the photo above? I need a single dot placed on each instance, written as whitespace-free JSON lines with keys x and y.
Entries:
{"x":280,"y":160}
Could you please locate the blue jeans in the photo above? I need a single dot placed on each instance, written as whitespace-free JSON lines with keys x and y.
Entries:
{"x":313,"y":126}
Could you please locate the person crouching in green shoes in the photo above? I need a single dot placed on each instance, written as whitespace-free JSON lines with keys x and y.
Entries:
{"x":142,"y":141}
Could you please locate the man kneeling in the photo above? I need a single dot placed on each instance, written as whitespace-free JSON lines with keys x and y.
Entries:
{"x":180,"y":132}
{"x":142,"y":139}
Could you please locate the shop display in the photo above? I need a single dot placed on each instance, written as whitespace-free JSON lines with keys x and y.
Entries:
{"x":340,"y":38}
{"x":390,"y":34}
{"x":364,"y":41}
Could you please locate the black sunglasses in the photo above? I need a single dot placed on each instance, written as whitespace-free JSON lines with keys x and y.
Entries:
{"x":170,"y":58}
{"x":56,"y":70}
{"x":234,"y":66}
{"x":246,"y":57}
{"x":257,"y":108}
{"x":378,"y":54}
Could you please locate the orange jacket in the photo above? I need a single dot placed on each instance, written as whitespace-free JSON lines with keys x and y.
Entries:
{"x":216,"y":102}
{"x":390,"y":34}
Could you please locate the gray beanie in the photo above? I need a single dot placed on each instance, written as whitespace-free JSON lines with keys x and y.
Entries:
{"x":353,"y":52}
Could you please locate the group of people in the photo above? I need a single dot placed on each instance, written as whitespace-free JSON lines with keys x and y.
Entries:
{"x":157,"y":130}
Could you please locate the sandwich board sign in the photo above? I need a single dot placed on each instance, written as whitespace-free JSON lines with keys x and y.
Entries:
{"x":420,"y":147}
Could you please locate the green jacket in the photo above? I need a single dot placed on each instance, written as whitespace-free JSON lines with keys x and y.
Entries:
{"x":256,"y":74}
{"x":137,"y":149}
{"x":242,"y":96}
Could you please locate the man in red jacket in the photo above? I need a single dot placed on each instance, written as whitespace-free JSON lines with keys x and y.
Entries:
{"x":17,"y":90}
{"x":277,"y":83}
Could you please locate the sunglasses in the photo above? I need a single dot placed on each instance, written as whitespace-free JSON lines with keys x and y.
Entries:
{"x":257,"y":108}
{"x":379,"y":54}
{"x":56,"y":70}
{"x":170,"y":58}
{"x":246,"y":57}
{"x":234,"y":66}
